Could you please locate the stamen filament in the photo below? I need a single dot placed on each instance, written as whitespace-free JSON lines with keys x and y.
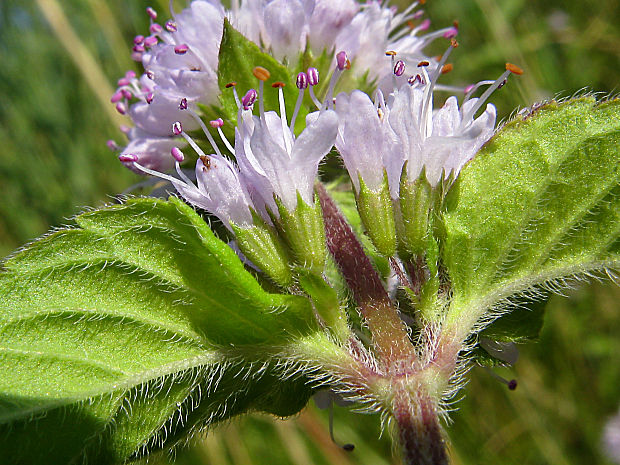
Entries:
{"x":300,"y":99}
{"x":205,"y":130}
{"x":487,"y":93}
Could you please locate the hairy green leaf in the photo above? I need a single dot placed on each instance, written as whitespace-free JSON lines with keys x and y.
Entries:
{"x":126,"y":334}
{"x":541,"y":202}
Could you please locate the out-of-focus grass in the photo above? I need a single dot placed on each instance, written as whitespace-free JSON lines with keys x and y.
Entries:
{"x":53,"y":129}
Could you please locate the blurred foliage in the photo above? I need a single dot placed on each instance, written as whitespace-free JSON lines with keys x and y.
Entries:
{"x":54,"y":121}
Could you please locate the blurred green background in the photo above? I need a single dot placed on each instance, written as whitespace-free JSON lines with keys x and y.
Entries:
{"x":59,"y":61}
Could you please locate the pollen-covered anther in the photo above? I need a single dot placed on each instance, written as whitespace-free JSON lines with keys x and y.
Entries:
{"x":183,"y":104}
{"x":177,"y":128}
{"x":278,"y":84}
{"x":230,"y":84}
{"x":177,"y":154}
{"x":454,"y":43}
{"x":514,"y":69}
{"x":171,"y":26}
{"x":181,"y":49}
{"x":260,"y":73}
{"x":447,"y":68}
{"x":302,"y":81}
{"x":390,"y":53}
{"x":399,"y":68}
{"x":423,"y":63}
{"x":216,"y":123}
{"x":206,"y":161}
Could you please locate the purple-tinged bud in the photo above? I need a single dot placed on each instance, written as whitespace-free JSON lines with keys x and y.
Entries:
{"x":171,"y":26}
{"x":177,"y":154}
{"x":177,"y":128}
{"x":138,"y":48}
{"x":342,"y":61}
{"x":121,"y":108}
{"x":399,"y":68}
{"x":137,"y":40}
{"x":451,"y":33}
{"x":126,"y":94}
{"x":313,"y":76}
{"x":150,"y":74}
{"x":150,"y":41}
{"x":123,"y":82}
{"x":183,"y":104}
{"x":116,"y":97}
{"x":424,"y":25}
{"x":112,"y":145}
{"x":151,"y":12}
{"x":249,"y":98}
{"x":149,"y":97}
{"x":217,"y":123}
{"x":128,"y":158}
{"x":181,"y":49}
{"x":155,"y":28}
{"x":302,"y":80}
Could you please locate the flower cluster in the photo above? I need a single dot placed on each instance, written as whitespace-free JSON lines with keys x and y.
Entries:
{"x":180,"y":58}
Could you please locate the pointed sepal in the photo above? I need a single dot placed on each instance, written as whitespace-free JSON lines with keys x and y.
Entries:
{"x":377,"y":214}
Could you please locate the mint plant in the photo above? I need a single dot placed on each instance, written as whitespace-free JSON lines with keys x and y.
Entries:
{"x":149,"y":321}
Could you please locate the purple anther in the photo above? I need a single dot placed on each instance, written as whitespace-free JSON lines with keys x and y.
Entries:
{"x":217,"y":123}
{"x":177,"y":154}
{"x":137,"y":40}
{"x":469,"y":88}
{"x":116,"y":97}
{"x":155,"y":28}
{"x":171,"y":26}
{"x":502,"y":84}
{"x":151,"y":12}
{"x":183,"y":104}
{"x":177,"y":128}
{"x":124,"y":129}
{"x":138,"y":48}
{"x":302,"y":80}
{"x":399,"y":68}
{"x":136,"y":56}
{"x":128,"y":157}
{"x":249,"y":98}
{"x":123,"y":82}
{"x":149,"y":97}
{"x":451,"y":33}
{"x":150,"y":41}
{"x":112,"y":145}
{"x":181,"y":49}
{"x":313,"y":76}
{"x":121,"y":108}
{"x":341,"y":60}
{"x":424,"y":25}
{"x":126,"y":94}
{"x":131,"y":74}
{"x":150,"y":74}
{"x":417,"y":79}
{"x":418,"y":14}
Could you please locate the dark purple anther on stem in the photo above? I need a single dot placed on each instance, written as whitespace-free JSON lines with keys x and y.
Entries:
{"x":149,"y":97}
{"x":183,"y":104}
{"x":126,"y":94}
{"x":302,"y":80}
{"x":128,"y":158}
{"x":313,"y":76}
{"x":150,"y":74}
{"x":399,"y":68}
{"x":451,"y":33}
{"x":342,"y":61}
{"x":424,"y":25}
{"x":217,"y":123}
{"x":151,"y":12}
{"x":155,"y":28}
{"x":116,"y":97}
{"x":137,"y":40}
{"x":138,"y":48}
{"x":121,"y":108}
{"x":181,"y":49}
{"x":249,"y":98}
{"x":150,"y":41}
{"x":177,"y":154}
{"x":171,"y":26}
{"x":177,"y":128}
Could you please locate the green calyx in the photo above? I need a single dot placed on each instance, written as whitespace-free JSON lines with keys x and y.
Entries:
{"x":304,"y":231}
{"x":377,"y":214}
{"x":261,"y":245}
{"x":417,"y":199}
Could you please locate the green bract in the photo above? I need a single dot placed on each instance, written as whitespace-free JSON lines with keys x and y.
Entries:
{"x":128,"y":333}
